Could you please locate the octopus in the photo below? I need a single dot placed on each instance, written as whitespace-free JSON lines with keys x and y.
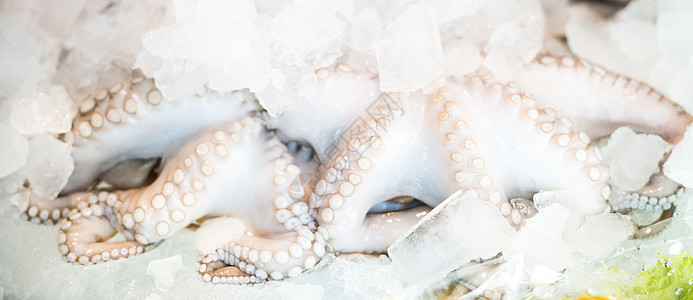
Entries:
{"x":349,"y":169}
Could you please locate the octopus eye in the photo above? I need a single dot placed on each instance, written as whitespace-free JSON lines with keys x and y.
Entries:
{"x":400,"y":203}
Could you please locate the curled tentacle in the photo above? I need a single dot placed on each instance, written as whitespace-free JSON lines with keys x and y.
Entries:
{"x":133,"y":120}
{"x":83,"y":236}
{"x":239,"y":170}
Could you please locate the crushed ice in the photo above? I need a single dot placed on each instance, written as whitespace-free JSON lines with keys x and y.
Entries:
{"x":274,"y":49}
{"x":164,"y":270}
{"x":632,"y":158}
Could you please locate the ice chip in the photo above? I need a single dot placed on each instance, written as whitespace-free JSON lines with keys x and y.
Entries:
{"x":409,"y":50}
{"x":633,"y":158}
{"x":49,"y":165}
{"x":20,"y":54}
{"x":289,"y":291}
{"x":153,"y":296}
{"x":226,"y":13}
{"x":540,"y":242}
{"x":245,"y":65}
{"x":12,"y":183}
{"x":679,"y":165}
{"x":671,"y":26}
{"x":637,"y":39}
{"x":163,"y":271}
{"x":148,"y":63}
{"x":13,"y":150}
{"x":178,"y":78}
{"x":600,"y":234}
{"x":546,"y":198}
{"x":216,"y":232}
{"x":364,"y":29}
{"x":300,"y":29}
{"x":664,"y":6}
{"x":511,"y":46}
{"x":462,"y":57}
{"x":460,"y":229}
{"x":448,"y":10}
{"x":50,"y":111}
{"x":680,"y":88}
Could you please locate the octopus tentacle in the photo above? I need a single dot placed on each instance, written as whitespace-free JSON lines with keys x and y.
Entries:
{"x":49,"y":211}
{"x":83,"y":236}
{"x":465,"y":152}
{"x":132,"y":120}
{"x":599,"y":101}
{"x":552,"y":133}
{"x":150,"y":123}
{"x":262,"y":258}
{"x":242,"y":158}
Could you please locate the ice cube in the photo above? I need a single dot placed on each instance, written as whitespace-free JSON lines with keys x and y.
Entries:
{"x":11,"y":183}
{"x":633,"y":158}
{"x":448,"y":10}
{"x":49,"y":165}
{"x":216,"y":232}
{"x":13,"y":150}
{"x":546,"y":198}
{"x":590,"y":39}
{"x":600,"y":234}
{"x":680,"y":88}
{"x":290,"y":291}
{"x":300,"y":29}
{"x":364,"y":29}
{"x":20,"y":53}
{"x":679,"y":165}
{"x":178,"y":78}
{"x":636,"y":39}
{"x":460,"y":229}
{"x":148,"y":63}
{"x":511,"y":46}
{"x":461,"y":57}
{"x":153,"y":296}
{"x":50,"y":111}
{"x":224,"y":13}
{"x":540,"y":242}
{"x":671,"y":26}
{"x":163,"y":271}
{"x":409,"y":50}
{"x":664,"y":6}
{"x":244,"y":64}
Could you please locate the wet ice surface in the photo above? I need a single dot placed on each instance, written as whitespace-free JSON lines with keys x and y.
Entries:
{"x":632,"y":158}
{"x":458,"y":230}
{"x":14,"y":150}
{"x":31,"y":267}
{"x":234,"y":44}
{"x":679,"y":165}
{"x":642,"y":41}
{"x":49,"y":165}
{"x":409,"y":51}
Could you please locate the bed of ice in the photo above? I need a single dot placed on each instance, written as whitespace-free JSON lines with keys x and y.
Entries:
{"x":54,"y":54}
